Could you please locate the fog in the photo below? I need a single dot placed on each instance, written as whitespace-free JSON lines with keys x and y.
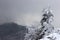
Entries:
{"x":27,"y":12}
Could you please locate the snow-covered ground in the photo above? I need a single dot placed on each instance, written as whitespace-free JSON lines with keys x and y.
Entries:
{"x":52,"y":36}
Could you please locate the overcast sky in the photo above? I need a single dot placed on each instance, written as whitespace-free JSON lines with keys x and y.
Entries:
{"x":27,"y":12}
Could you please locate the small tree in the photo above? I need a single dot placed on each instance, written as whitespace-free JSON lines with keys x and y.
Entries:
{"x":46,"y":25}
{"x":45,"y":28}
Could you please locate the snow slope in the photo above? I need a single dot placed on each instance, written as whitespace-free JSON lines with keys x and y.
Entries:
{"x":53,"y":36}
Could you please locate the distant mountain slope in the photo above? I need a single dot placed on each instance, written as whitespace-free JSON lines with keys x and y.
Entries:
{"x":12,"y":31}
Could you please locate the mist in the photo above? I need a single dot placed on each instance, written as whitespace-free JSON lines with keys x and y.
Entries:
{"x":26,"y":12}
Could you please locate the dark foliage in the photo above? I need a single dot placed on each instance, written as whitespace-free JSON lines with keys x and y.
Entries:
{"x":12,"y":29}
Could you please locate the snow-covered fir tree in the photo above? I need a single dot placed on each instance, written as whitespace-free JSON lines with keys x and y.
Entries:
{"x":52,"y":33}
{"x":45,"y":28}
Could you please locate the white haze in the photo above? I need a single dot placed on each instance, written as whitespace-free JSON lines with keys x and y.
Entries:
{"x":26,"y":12}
